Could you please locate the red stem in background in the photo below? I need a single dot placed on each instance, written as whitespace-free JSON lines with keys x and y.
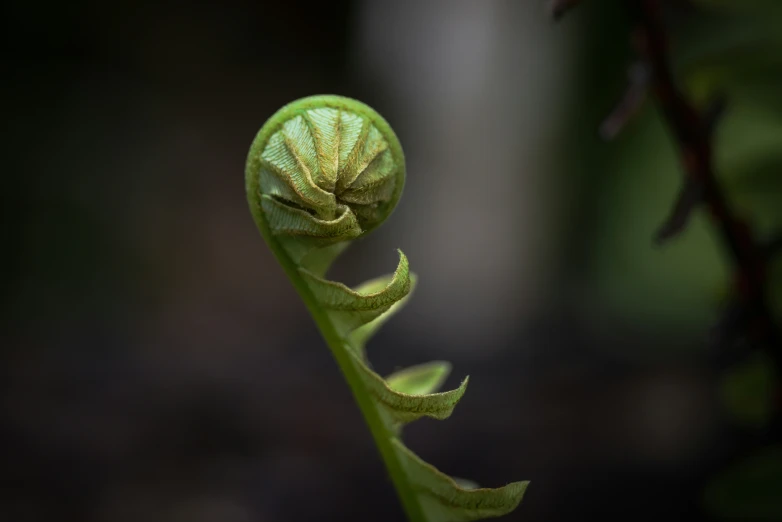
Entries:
{"x":748,"y":314}
{"x":693,"y":135}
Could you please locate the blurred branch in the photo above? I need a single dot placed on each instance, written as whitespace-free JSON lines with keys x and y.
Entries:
{"x":747,"y":320}
{"x":689,"y":197}
{"x":693,"y":131}
{"x":748,"y":315}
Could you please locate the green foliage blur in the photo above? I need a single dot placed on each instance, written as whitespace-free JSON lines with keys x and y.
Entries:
{"x":720,"y":48}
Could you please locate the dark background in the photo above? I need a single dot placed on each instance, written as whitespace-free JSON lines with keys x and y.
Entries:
{"x":157,"y":365}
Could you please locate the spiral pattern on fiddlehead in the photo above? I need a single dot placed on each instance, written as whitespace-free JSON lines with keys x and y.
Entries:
{"x":325,"y":169}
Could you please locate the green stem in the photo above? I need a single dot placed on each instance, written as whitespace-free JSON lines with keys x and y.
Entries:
{"x":382,"y":436}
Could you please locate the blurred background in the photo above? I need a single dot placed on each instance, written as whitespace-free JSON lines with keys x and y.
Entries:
{"x":157,"y":365}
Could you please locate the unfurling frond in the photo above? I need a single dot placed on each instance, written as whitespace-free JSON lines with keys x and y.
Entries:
{"x":322,"y":172}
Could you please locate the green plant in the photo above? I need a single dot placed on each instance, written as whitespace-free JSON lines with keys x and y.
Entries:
{"x":323,"y":171}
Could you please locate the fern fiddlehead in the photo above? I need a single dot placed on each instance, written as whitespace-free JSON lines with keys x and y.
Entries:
{"x":323,"y":171}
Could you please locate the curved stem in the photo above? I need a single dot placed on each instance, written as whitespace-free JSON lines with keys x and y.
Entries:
{"x":383,"y":437}
{"x":371,"y":414}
